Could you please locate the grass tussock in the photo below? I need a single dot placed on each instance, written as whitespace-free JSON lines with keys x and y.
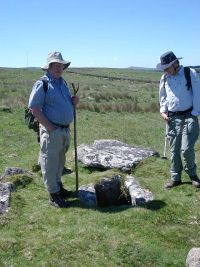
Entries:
{"x":130,"y":107}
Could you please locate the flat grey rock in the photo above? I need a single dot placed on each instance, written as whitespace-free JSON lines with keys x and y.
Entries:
{"x":109,"y":154}
{"x":5,"y":192}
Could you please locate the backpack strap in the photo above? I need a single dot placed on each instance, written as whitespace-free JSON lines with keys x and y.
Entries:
{"x":188,"y":78}
{"x":45,"y":85}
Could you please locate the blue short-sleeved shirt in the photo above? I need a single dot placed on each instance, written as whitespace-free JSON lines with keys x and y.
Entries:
{"x":56,"y":103}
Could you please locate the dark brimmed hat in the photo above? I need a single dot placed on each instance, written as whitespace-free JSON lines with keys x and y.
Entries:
{"x":55,"y":57}
{"x":167,"y":60}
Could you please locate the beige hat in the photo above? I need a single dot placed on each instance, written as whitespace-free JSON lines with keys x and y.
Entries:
{"x":55,"y":57}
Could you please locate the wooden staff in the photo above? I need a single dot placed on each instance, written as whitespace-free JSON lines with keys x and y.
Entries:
{"x":75,"y":137}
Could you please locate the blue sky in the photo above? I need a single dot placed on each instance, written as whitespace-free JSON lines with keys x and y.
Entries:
{"x":99,"y":33}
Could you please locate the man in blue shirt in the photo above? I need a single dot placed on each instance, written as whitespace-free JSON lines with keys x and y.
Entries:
{"x":54,"y":111}
{"x":179,"y":107}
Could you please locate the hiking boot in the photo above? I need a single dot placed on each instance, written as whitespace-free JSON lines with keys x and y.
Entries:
{"x":57,"y":201}
{"x":64,"y":193}
{"x":195,"y":181}
{"x":172,"y":183}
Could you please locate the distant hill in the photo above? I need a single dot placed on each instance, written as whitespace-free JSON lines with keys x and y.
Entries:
{"x":154,"y":69}
{"x":142,"y":68}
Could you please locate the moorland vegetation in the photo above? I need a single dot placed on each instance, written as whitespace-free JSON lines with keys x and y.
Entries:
{"x":117,"y":104}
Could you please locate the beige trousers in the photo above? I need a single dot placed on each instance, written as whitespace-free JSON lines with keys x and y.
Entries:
{"x":53,"y":147}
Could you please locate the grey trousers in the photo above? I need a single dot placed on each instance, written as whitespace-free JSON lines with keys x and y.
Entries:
{"x":53,"y":147}
{"x":183,"y":132}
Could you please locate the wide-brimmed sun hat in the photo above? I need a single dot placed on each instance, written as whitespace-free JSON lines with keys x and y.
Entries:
{"x":55,"y":57}
{"x":167,"y":60}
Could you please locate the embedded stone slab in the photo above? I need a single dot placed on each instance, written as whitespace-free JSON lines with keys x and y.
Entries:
{"x":109,"y":154}
{"x":137,"y":194}
{"x":5,"y":193}
{"x":87,"y":195}
{"x":7,"y":187}
{"x":107,"y":192}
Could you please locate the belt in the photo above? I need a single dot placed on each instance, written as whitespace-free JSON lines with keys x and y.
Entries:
{"x":61,"y":125}
{"x":179,"y":113}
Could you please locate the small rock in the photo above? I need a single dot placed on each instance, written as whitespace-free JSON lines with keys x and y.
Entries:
{"x":5,"y":192}
{"x":193,"y":258}
{"x":87,"y":195}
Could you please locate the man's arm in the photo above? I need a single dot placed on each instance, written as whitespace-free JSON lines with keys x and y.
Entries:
{"x":38,"y":114}
{"x":163,"y":100}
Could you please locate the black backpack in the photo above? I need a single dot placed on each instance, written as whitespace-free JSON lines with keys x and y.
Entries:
{"x":30,"y":120}
{"x":187,"y":77}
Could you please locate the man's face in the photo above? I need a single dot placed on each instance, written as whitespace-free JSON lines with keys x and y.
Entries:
{"x":173,"y":69}
{"x":56,"y":69}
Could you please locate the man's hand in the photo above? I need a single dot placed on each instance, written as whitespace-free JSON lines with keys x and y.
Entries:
{"x":75,"y":100}
{"x":164,"y":116}
{"x":38,"y":114}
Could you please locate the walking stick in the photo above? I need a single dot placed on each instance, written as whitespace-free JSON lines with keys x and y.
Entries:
{"x":165,"y":145}
{"x":75,"y":139}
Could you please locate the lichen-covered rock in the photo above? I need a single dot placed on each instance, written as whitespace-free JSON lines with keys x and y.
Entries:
{"x":193,"y":258}
{"x":5,"y":192}
{"x":87,"y":195}
{"x":108,"y":154}
{"x":114,"y":190}
{"x":137,"y":194}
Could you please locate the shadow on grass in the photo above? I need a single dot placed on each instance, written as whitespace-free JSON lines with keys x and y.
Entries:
{"x":154,"y":205}
{"x":67,"y":171}
{"x":6,"y":109}
{"x":20,"y":181}
{"x":36,"y":168}
{"x":189,"y":182}
{"x":151,"y":205}
{"x":76,"y":203}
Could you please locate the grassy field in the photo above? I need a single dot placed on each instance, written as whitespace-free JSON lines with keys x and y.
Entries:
{"x":32,"y":233}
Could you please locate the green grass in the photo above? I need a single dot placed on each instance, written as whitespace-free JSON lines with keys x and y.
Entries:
{"x":33,"y":233}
